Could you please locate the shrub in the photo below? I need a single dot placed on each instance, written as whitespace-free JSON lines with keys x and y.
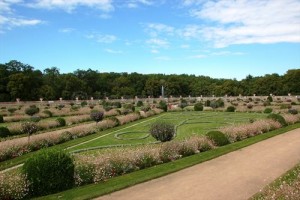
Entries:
{"x":268,"y":110}
{"x":183,"y":103}
{"x":230,"y":109}
{"x":270,"y":99}
{"x":117,"y":104}
{"x":29,"y":128}
{"x":61,"y":121}
{"x":249,"y":106}
{"x":129,"y":106}
{"x":32,"y":110}
{"x":48,"y":112}
{"x":162,"y":131}
{"x":4,"y":131}
{"x":35,"y":119}
{"x":139,"y":104}
{"x":1,"y":119}
{"x":11,"y":110}
{"x":293,"y":111}
{"x":84,"y":103}
{"x":49,"y":171}
{"x":97,"y":116}
{"x":267,"y":103}
{"x":207,"y":103}
{"x":218,"y":138}
{"x":278,"y":118}
{"x":163,"y":105}
{"x":198,"y":107}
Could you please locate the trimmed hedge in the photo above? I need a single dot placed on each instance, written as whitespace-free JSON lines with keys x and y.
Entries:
{"x":4,"y":132}
{"x":61,"y":121}
{"x":49,"y":171}
{"x":278,"y":118}
{"x":198,"y":107}
{"x":218,"y":138}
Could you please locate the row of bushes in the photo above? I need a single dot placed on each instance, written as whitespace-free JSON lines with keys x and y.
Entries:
{"x":47,"y":173}
{"x":20,"y":146}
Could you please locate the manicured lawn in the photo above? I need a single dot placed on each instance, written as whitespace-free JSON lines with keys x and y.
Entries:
{"x":187,"y":123}
{"x":127,"y":180}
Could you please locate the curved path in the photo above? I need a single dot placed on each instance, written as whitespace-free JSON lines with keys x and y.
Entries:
{"x":237,"y":175}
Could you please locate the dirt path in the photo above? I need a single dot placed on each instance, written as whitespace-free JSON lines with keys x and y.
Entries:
{"x":237,"y":175}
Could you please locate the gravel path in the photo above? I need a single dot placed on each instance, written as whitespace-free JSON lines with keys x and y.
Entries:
{"x":237,"y":175}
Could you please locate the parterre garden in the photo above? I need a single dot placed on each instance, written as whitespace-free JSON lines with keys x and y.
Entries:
{"x":114,"y":138}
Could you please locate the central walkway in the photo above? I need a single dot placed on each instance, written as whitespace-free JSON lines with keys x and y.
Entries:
{"x":237,"y":175}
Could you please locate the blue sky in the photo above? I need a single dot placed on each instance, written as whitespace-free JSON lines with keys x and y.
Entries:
{"x":220,"y":39}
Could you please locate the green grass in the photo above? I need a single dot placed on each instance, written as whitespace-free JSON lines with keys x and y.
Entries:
{"x":19,"y":160}
{"x":121,"y":182}
{"x":187,"y":123}
{"x":276,"y":187}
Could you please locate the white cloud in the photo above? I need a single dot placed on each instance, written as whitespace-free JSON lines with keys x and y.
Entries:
{"x":113,"y":51}
{"x":226,"y":53}
{"x":70,"y":5}
{"x":9,"y":20}
{"x":157,"y":43}
{"x":247,"y":22}
{"x":102,"y":38}
{"x":155,"y":29}
{"x":192,"y":2}
{"x":66,"y":30}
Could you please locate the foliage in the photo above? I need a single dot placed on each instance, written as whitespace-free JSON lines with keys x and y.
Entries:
{"x":32,"y":110}
{"x":61,"y":121}
{"x":139,"y":103}
{"x":270,"y":99}
{"x":218,"y":138}
{"x":230,"y":109}
{"x":278,"y":118}
{"x":11,"y":110}
{"x":49,"y":171}
{"x":35,"y":118}
{"x":84,"y":103}
{"x":293,"y":111}
{"x":4,"y":131}
{"x":1,"y":119}
{"x":48,"y":112}
{"x":198,"y":106}
{"x":29,"y":128}
{"x":97,"y":116}
{"x":183,"y":103}
{"x":19,"y":80}
{"x":268,"y":110}
{"x":162,"y":131}
{"x":163,"y":105}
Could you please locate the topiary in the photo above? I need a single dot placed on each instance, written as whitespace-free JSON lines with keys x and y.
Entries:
{"x":11,"y":110}
{"x":270,"y":99}
{"x":1,"y":119}
{"x":49,"y":171}
{"x":293,"y":111}
{"x":84,"y":103}
{"x":97,"y":116}
{"x":32,"y":110}
{"x":198,"y":107}
{"x":61,"y":121}
{"x":162,"y":131}
{"x":48,"y":112}
{"x":218,"y":138}
{"x":278,"y":118}
{"x":139,"y":104}
{"x":268,"y":110}
{"x":230,"y":109}
{"x":4,"y":132}
{"x":163,"y":105}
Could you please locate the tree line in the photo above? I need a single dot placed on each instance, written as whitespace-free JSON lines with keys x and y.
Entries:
{"x":19,"y":80}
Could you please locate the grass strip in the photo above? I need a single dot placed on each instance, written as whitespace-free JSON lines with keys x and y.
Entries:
{"x":275,"y":188}
{"x":127,"y":180}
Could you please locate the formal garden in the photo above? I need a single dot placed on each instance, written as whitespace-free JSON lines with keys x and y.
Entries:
{"x":48,"y":147}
